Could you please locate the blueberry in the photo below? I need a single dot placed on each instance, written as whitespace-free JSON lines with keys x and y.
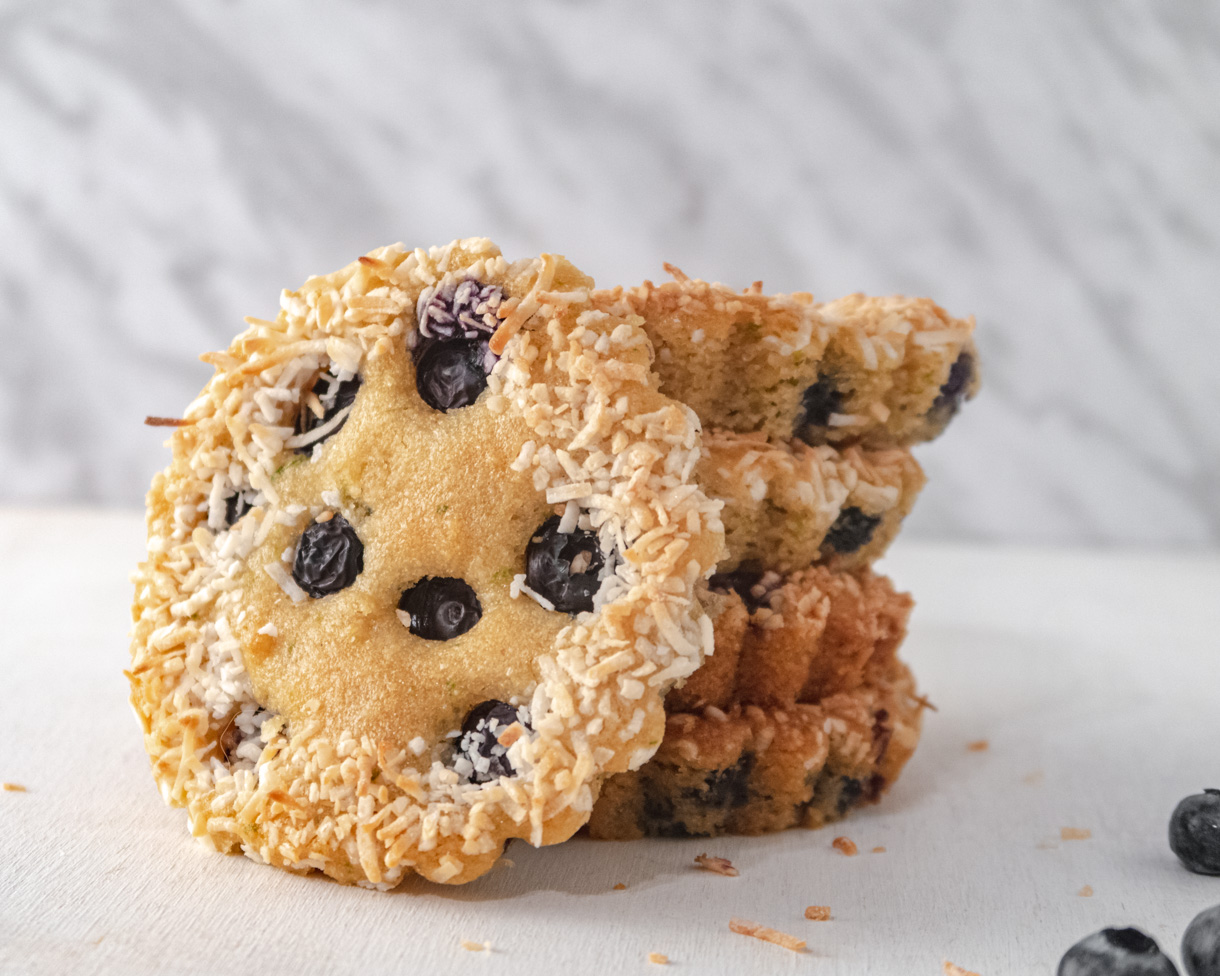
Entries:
{"x":818,"y":402}
{"x":1194,"y":832}
{"x":329,"y":557}
{"x":440,"y":607}
{"x":742,"y":582}
{"x":949,"y":399}
{"x":1116,"y":952}
{"x":1201,"y":944}
{"x":564,"y":567}
{"x":454,"y":323}
{"x":236,"y":505}
{"x":452,"y":374}
{"x":335,"y":396}
{"x":722,"y":790}
{"x":478,"y":743}
{"x":852,"y":530}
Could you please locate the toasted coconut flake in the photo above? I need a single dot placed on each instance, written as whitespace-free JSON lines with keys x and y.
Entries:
{"x":818,"y":913}
{"x":717,"y":865}
{"x":756,"y":931}
{"x":471,"y":946}
{"x":165,"y":422}
{"x":952,"y":970}
{"x":845,"y":845}
{"x":659,"y":958}
{"x":1074,"y":833}
{"x":14,"y":788}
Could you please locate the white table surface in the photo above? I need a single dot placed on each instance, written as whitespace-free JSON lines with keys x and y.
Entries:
{"x":1094,"y":677}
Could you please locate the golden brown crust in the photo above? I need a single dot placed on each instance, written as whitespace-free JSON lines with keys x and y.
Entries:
{"x":815,"y":715}
{"x":744,"y":360}
{"x":319,"y":791}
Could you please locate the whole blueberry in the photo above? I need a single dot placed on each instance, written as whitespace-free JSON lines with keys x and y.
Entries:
{"x":564,"y":567}
{"x":440,"y":607}
{"x":1201,"y":944}
{"x":478,"y":743}
{"x":1194,"y":832}
{"x":1116,"y":952}
{"x":329,"y":557}
{"x":451,"y":374}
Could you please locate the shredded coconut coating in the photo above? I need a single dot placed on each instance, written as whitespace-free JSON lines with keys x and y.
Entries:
{"x":781,"y":499}
{"x":281,"y":789}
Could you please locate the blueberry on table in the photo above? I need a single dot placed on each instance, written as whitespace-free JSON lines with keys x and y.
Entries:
{"x":1194,"y":832}
{"x":1201,"y":944}
{"x":440,"y":607}
{"x":564,"y":567}
{"x":334,"y":397}
{"x":479,"y":743}
{"x":851,"y":531}
{"x":1116,"y":952}
{"x":329,"y":557}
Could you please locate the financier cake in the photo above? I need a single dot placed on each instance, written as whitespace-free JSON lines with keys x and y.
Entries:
{"x":803,"y":711}
{"x":421,"y":569}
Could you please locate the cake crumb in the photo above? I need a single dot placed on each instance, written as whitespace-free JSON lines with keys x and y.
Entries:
{"x":818,"y":913}
{"x":878,"y":849}
{"x":952,"y":970}
{"x":1086,"y":891}
{"x":1034,"y":779}
{"x":620,"y":887}
{"x":659,"y":958}
{"x":470,"y":946}
{"x":1075,"y":833}
{"x":756,"y":931}
{"x":981,"y":745}
{"x":14,"y":788}
{"x":845,"y":845}
{"x":717,"y":865}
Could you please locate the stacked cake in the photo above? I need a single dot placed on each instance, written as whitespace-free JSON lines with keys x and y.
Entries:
{"x":803,"y":711}
{"x":456,"y":550}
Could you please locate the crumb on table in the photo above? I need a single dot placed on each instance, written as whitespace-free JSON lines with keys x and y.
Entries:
{"x":1086,"y":891}
{"x":952,"y":970}
{"x":717,"y":865}
{"x":620,"y":887}
{"x":818,"y":913}
{"x":756,"y":931}
{"x":878,"y":850}
{"x":845,"y":845}
{"x":14,"y":788}
{"x":470,"y":946}
{"x":1075,"y":833}
{"x":659,"y":958}
{"x":980,"y":745}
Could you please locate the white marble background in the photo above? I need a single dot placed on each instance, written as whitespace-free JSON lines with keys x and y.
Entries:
{"x":1053,"y":168}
